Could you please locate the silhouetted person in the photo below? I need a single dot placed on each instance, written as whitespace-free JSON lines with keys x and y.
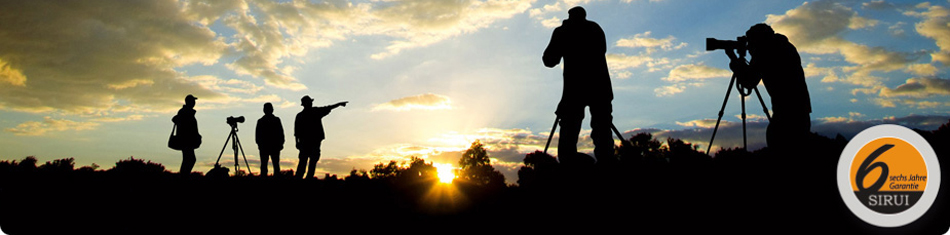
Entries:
{"x":270,"y":139}
{"x":776,"y":62}
{"x":308,"y":133}
{"x":582,"y":44}
{"x":187,"y":132}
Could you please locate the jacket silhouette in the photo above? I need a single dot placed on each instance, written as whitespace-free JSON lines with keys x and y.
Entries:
{"x":582,"y":44}
{"x":269,"y":136}
{"x":187,"y":132}
{"x":309,"y":135}
{"x":187,"y":129}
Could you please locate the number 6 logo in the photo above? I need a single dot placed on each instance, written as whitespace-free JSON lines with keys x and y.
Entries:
{"x":864,"y":169}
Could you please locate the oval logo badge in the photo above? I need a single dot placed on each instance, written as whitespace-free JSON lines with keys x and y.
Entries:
{"x":888,"y":175}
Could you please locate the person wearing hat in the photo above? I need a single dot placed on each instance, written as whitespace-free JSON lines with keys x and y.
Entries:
{"x":582,"y":44}
{"x":308,"y":133}
{"x":187,"y":131}
{"x":269,"y":136}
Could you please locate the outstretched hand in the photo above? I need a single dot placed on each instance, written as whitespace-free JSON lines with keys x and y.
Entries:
{"x":342,"y":103}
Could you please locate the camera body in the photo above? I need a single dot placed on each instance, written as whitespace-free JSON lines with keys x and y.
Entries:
{"x":738,"y":64}
{"x":233,"y":121}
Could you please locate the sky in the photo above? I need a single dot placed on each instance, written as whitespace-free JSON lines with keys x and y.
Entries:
{"x":100,"y":80}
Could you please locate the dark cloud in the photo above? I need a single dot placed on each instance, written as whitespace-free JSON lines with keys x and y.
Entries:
{"x":919,"y":88}
{"x":90,"y":57}
{"x":730,"y":133}
{"x":851,"y":128}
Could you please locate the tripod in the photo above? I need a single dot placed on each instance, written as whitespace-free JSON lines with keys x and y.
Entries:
{"x":235,"y":145}
{"x":742,"y":100}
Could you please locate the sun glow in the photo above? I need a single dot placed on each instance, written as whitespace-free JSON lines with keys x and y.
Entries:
{"x":444,"y":172}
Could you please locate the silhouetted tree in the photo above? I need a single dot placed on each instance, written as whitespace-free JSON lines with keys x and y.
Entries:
{"x":138,"y":167}
{"x":385,"y":170}
{"x":28,"y":164}
{"x":680,"y":152}
{"x":539,"y":168}
{"x":642,"y":147}
{"x":59,"y":165}
{"x":420,"y":169}
{"x":475,"y":166}
{"x":89,"y":168}
{"x":357,"y":175}
{"x":417,"y":169}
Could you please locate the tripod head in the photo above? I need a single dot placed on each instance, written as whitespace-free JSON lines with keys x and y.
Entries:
{"x":233,"y":121}
{"x":737,"y":63}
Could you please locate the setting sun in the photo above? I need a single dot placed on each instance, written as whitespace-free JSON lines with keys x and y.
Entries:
{"x":444,"y":172}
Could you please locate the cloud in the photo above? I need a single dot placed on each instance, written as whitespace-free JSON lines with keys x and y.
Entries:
{"x":848,"y":127}
{"x":129,"y":55}
{"x":897,"y":29}
{"x":643,"y":40}
{"x":702,"y":123}
{"x":828,"y":74}
{"x":699,"y":132}
{"x":622,"y":61}
{"x":877,"y":5}
{"x":921,"y":69}
{"x":551,"y":23}
{"x":34,"y":128}
{"x":558,"y":8}
{"x":620,"y":64}
{"x":549,"y":15}
{"x":935,"y":25}
{"x":11,"y":76}
{"x":230,"y":86}
{"x":683,"y":76}
{"x":418,"y":23}
{"x":134,"y":117}
{"x":919,"y":88}
{"x":426,"y":101}
{"x":93,"y":56}
{"x":817,"y":28}
{"x":699,"y":71}
{"x":813,"y":24}
{"x":669,"y":90}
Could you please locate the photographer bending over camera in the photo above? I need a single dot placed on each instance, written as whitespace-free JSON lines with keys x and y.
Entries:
{"x":776,"y":62}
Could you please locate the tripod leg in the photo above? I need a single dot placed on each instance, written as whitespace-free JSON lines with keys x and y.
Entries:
{"x":764,"y":109}
{"x":234,"y":146}
{"x":238,"y":141}
{"x":721,"y":111}
{"x":222,"y":149}
{"x":551,"y":136}
{"x":744,"y":142}
{"x":620,"y":136}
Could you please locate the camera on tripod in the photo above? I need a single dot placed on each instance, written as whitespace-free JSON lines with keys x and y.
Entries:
{"x":739,"y":44}
{"x":235,"y":146}
{"x":745,"y":85}
{"x":233,"y":121}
